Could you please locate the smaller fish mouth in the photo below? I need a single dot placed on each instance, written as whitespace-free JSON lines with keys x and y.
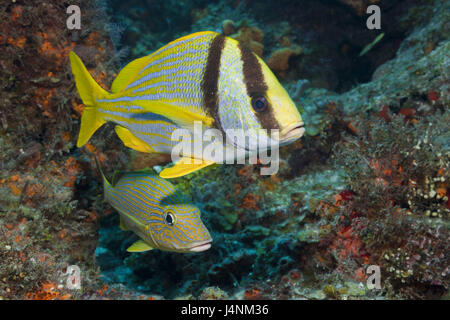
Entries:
{"x":292,"y":132}
{"x":201,"y":246}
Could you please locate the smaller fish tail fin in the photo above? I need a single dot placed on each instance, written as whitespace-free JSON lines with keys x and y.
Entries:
{"x":90,"y":91}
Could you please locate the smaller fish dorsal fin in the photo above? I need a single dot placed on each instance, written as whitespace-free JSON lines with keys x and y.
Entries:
{"x":139,"y":246}
{"x":118,"y":174}
{"x":127,"y":74}
{"x":116,"y":177}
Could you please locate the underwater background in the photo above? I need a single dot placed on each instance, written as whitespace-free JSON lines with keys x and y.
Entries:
{"x":367,"y":184}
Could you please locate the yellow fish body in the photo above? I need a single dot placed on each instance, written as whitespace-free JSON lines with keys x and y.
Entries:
{"x":204,"y":77}
{"x":154,"y":210}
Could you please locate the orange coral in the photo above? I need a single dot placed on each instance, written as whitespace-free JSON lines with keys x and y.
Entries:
{"x":78,"y":107}
{"x":250,"y":202}
{"x":279,"y":60}
{"x":12,"y":184}
{"x":66,"y":137}
{"x":33,"y":189}
{"x":352,"y":128}
{"x":245,"y":171}
{"x":252,"y":294}
{"x":15,"y":190}
{"x":62,"y":234}
{"x":20,"y":42}
{"x":251,"y":37}
{"x":238,"y":189}
{"x":47,"y":292}
{"x":16,"y":12}
{"x":50,"y":50}
{"x":72,"y":168}
{"x":360,"y":275}
{"x":441,"y":192}
{"x":42,"y":97}
{"x":93,"y":216}
{"x":348,"y":245}
{"x":294,"y":274}
{"x":91,"y":148}
{"x":15,"y":178}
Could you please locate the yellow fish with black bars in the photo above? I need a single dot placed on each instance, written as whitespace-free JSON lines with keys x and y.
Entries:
{"x":203,"y":77}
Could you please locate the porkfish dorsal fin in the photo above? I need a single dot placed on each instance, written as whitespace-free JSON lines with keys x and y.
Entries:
{"x":131,"y":141}
{"x":128,"y":73}
{"x":184,"y":167}
{"x":139,"y":246}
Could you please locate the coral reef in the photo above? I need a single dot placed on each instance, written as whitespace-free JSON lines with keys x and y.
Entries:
{"x":47,"y":218}
{"x":368,"y":184}
{"x":380,"y":222}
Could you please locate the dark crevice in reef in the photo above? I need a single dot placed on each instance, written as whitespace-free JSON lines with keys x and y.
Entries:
{"x":333,"y":36}
{"x":331,"y":33}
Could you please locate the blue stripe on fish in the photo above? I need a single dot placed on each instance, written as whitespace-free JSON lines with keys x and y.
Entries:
{"x":155,"y":96}
{"x":174,"y":84}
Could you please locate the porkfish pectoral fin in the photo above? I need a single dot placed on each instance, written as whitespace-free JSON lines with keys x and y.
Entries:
{"x":139,"y":246}
{"x":131,"y":141}
{"x":183,"y":167}
{"x":181,"y":116}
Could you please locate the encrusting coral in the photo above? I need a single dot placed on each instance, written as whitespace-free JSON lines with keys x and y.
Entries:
{"x":279,"y":59}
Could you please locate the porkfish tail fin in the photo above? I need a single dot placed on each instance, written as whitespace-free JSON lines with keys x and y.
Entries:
{"x":89,"y":91}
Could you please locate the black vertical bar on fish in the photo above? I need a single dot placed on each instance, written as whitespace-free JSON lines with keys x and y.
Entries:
{"x":253,"y":75}
{"x":210,"y":81}
{"x":256,"y":85}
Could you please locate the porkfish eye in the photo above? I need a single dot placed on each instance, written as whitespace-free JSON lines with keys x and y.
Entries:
{"x":169,"y":217}
{"x":259,"y":103}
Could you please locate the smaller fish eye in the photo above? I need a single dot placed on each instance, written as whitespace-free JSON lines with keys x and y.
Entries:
{"x":169,"y":218}
{"x":259,"y":103}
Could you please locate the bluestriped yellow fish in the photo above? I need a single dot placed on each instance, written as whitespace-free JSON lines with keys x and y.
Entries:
{"x":203,"y":77}
{"x":153,"y":209}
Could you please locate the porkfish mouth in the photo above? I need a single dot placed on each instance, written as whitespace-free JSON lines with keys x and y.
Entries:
{"x":200,"y":246}
{"x":292,"y":132}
